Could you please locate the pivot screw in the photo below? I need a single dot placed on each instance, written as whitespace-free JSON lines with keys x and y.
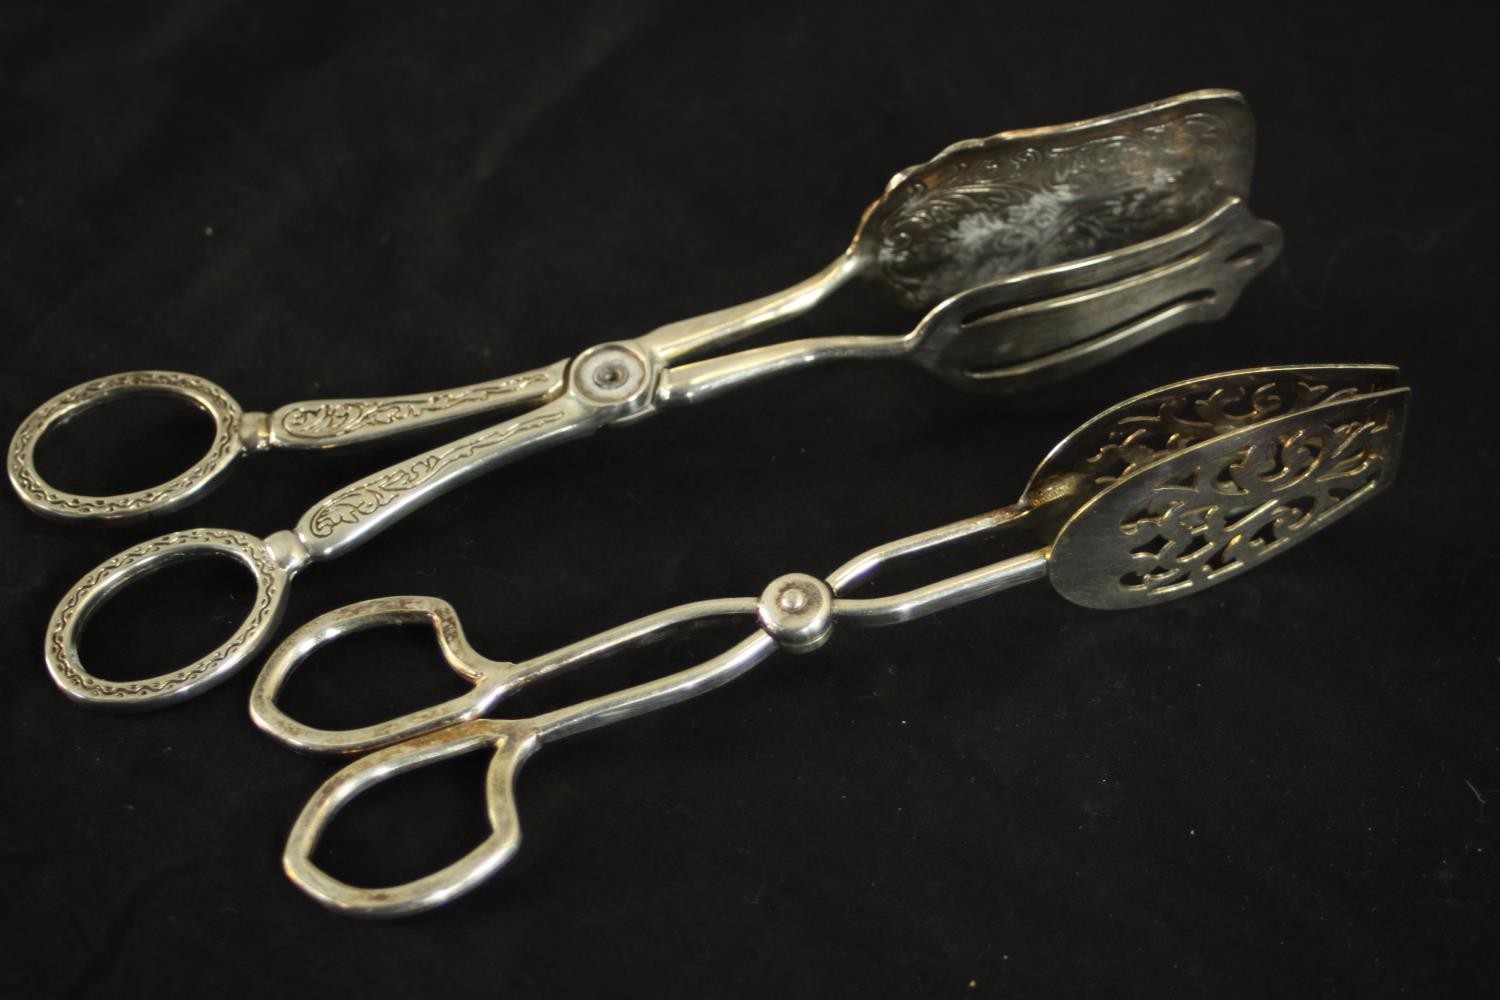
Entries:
{"x":797,"y":611}
{"x":610,"y":373}
{"x":608,"y":376}
{"x":793,"y":599}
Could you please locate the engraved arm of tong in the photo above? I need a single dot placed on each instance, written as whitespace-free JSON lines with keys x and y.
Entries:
{"x":1101,"y":305}
{"x":571,"y":399}
{"x":330,"y":423}
{"x":796,"y":612}
{"x":1096,"y":191}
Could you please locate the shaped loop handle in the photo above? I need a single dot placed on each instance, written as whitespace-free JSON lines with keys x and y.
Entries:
{"x":488,"y":676}
{"x":272,"y":561}
{"x":49,"y":501}
{"x":513,"y":741}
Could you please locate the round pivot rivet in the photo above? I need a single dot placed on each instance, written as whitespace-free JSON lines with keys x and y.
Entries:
{"x":797,"y":611}
{"x":610,"y":373}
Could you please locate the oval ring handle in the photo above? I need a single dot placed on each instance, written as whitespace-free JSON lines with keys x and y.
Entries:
{"x":49,"y":501}
{"x":260,"y":556}
{"x":513,"y":741}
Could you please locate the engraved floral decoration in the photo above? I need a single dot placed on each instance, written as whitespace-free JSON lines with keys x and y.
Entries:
{"x":336,"y":418}
{"x":358,"y":502}
{"x":47,"y":499}
{"x":979,"y":214}
{"x":62,"y":643}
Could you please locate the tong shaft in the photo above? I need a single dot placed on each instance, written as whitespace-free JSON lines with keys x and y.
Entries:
{"x":795,"y":612}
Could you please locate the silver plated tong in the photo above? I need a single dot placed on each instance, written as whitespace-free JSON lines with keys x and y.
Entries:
{"x":1156,"y":498}
{"x":1035,"y":252}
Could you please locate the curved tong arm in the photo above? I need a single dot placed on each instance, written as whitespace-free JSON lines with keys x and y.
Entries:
{"x":685,"y":337}
{"x":329,"y":423}
{"x":795,"y":612}
{"x":493,"y":679}
{"x":1036,"y":326}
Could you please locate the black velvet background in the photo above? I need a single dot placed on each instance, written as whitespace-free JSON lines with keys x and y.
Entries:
{"x":1288,"y":784}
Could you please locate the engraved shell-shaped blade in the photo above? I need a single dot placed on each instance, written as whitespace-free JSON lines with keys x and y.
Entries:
{"x":1025,"y":199}
{"x":1213,"y":508}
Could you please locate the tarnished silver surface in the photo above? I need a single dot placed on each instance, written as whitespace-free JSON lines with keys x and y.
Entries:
{"x":1037,"y":212}
{"x":1165,"y":494}
{"x":1018,"y":201}
{"x":1040,"y":252}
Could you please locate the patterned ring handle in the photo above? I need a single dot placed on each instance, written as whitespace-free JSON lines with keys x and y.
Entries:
{"x":513,"y":740}
{"x":49,"y":501}
{"x":489,"y":677}
{"x":273,"y":561}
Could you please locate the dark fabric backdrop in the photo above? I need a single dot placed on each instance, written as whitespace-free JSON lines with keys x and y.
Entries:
{"x":1289,"y":784}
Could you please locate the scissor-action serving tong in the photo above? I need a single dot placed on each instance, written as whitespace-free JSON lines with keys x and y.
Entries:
{"x":1036,"y":253}
{"x":1159,"y":497}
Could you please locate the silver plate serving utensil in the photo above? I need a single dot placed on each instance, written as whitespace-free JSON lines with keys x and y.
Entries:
{"x":1037,"y":253}
{"x":1159,"y":497}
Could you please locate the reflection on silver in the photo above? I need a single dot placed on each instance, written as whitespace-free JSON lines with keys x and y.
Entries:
{"x":1036,"y":252}
{"x":1165,"y":494}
